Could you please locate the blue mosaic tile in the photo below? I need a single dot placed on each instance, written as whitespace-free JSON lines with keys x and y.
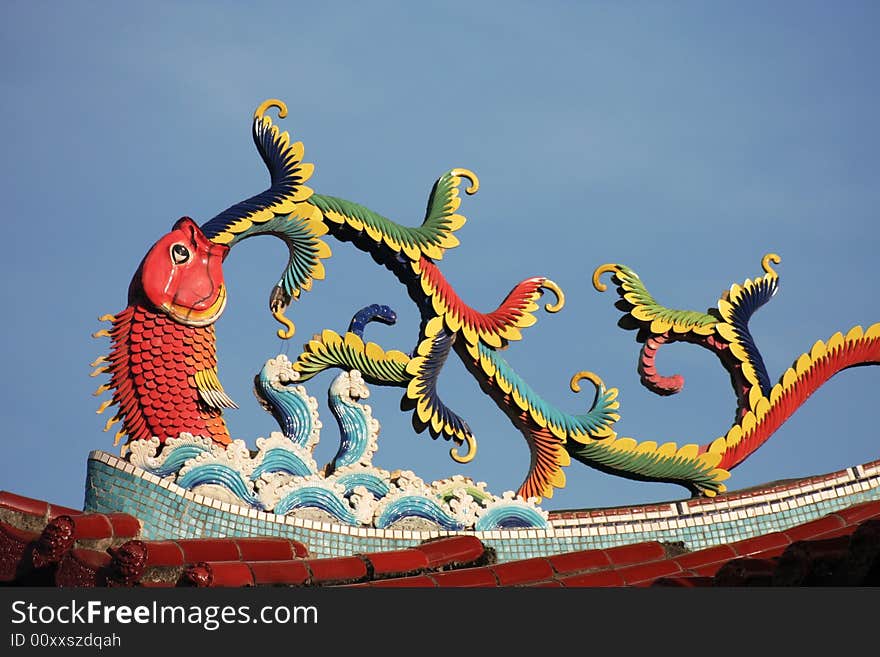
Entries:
{"x":166,"y":515}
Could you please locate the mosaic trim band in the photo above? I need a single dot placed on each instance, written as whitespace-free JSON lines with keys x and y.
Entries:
{"x":168,"y":511}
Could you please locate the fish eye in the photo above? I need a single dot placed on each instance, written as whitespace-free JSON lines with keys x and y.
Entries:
{"x":179,"y":254}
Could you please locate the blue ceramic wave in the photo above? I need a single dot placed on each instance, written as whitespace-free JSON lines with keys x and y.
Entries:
{"x":375,"y":485}
{"x":415,"y":506}
{"x":221,"y":475}
{"x":176,"y":459}
{"x":510,"y":517}
{"x":282,"y":460}
{"x":354,"y":429}
{"x":289,"y":409}
{"x":318,"y":498}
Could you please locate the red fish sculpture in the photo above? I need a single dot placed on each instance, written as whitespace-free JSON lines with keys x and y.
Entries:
{"x":163,"y":363}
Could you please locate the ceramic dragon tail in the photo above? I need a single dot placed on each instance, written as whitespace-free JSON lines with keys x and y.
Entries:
{"x":762,"y":407}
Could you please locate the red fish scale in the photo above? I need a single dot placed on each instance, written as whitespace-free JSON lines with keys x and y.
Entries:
{"x":850,"y":354}
{"x":153,"y":365}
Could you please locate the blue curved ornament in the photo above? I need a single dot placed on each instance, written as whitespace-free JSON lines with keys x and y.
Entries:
{"x":289,"y":407}
{"x":176,"y":458}
{"x":318,"y":498}
{"x":220,"y":475}
{"x":510,"y":517}
{"x":375,"y":485}
{"x":281,"y":460}
{"x":353,"y":421}
{"x":416,"y":506}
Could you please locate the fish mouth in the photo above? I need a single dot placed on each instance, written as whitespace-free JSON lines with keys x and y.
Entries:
{"x":193,"y":317}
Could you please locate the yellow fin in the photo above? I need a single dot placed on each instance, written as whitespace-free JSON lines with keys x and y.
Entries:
{"x":762,"y":408}
{"x":855,"y":333}
{"x":353,"y":341}
{"x":775,"y":394}
{"x":374,"y":351}
{"x":803,"y":363}
{"x":734,"y":436}
{"x":718,"y":446}
{"x":755,"y":396}
{"x":667,"y":450}
{"x":748,"y":423}
{"x":726,"y":331}
{"x":624,"y":444}
{"x":720,"y":474}
{"x":329,"y":337}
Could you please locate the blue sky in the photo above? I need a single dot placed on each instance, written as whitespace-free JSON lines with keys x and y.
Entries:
{"x":684,"y":139}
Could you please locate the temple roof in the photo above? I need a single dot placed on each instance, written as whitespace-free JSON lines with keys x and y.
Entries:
{"x":46,"y":544}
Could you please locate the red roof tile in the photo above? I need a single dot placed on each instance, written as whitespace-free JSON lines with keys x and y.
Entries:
{"x":34,"y":507}
{"x":648,"y":572}
{"x":856,"y":514}
{"x":712,"y":555}
{"x":452,"y":550}
{"x":91,"y":526}
{"x":157,"y":553}
{"x":417,"y":581}
{"x":337,"y":570}
{"x":290,"y":573}
{"x":471,"y":577}
{"x":814,"y":528}
{"x":766,"y":545}
{"x":395,"y":562}
{"x":636,"y":553}
{"x":521,"y":572}
{"x":270,"y":549}
{"x":209,"y":549}
{"x":572,"y":562}
{"x":123,"y":524}
{"x":598,"y":578}
{"x":23,"y":504}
